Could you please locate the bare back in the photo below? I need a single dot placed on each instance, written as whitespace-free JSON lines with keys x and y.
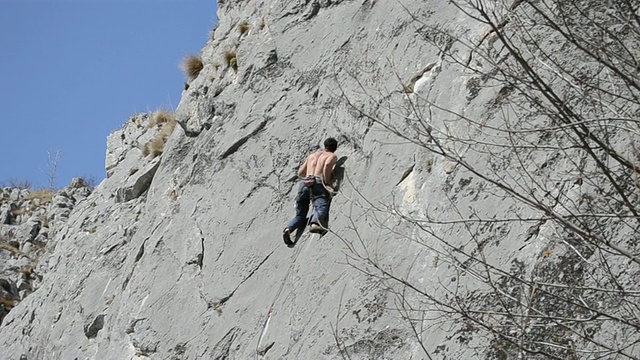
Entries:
{"x":319,"y":164}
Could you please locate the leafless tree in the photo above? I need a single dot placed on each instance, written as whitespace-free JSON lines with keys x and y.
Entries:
{"x":53,"y":161}
{"x":17,"y":183}
{"x":556,"y":145}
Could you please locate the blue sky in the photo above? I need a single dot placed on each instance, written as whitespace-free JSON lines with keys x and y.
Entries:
{"x":71,"y":72}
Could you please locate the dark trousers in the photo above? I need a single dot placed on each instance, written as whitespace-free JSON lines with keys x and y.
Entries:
{"x":321,"y":200}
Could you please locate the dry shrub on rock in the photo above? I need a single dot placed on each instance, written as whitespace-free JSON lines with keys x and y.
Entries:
{"x":11,"y":249}
{"x":191,"y":66}
{"x":231,"y":59}
{"x":43,"y":195}
{"x":243,"y":27}
{"x":160,"y":117}
{"x":261,"y":24}
{"x":155,"y":146}
{"x":166,"y":122}
{"x":17,"y":183}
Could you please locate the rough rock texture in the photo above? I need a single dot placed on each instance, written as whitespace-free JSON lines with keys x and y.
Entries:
{"x":27,"y":218}
{"x":181,"y":257}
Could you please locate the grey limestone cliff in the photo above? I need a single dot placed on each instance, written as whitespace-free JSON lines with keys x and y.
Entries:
{"x":29,"y":220}
{"x":487,"y":203}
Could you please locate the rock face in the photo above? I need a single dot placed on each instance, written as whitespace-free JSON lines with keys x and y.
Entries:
{"x":27,"y":219}
{"x":486,"y":204}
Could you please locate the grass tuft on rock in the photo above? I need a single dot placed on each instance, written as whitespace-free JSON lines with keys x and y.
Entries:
{"x":231,"y":59}
{"x":166,"y":122}
{"x":44,"y":195}
{"x":243,"y":28}
{"x":191,"y":66}
{"x":11,"y":249}
{"x":160,"y":117}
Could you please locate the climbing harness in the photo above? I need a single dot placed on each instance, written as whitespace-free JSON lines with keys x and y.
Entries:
{"x":309,"y":181}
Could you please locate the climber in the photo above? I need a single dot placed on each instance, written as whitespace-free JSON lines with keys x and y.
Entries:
{"x":315,"y":186}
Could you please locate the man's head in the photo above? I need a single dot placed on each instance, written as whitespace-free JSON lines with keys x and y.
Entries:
{"x":330,"y":144}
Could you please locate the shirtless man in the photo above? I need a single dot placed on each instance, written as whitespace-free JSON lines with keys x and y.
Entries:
{"x":315,"y":186}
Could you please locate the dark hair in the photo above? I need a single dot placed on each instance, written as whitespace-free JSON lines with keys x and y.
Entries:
{"x":331,"y":144}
